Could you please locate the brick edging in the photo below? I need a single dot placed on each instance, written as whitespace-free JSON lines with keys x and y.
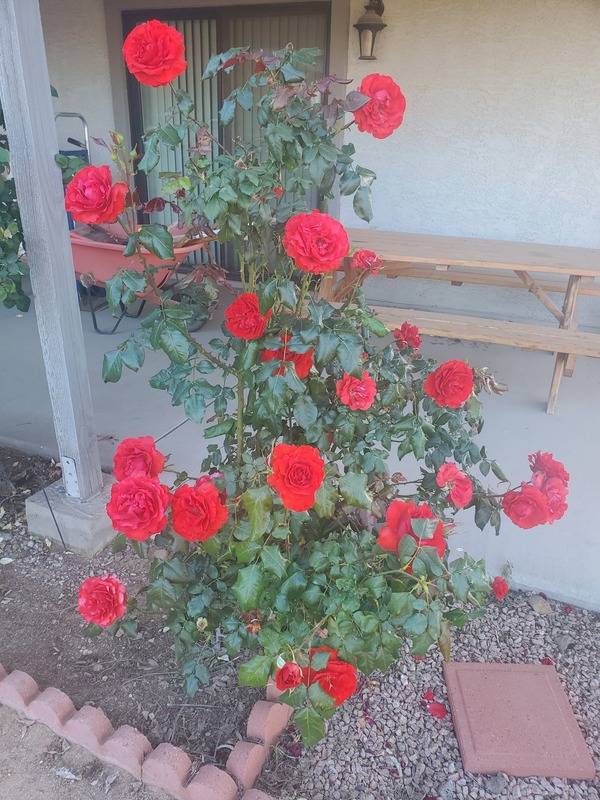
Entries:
{"x":166,"y":767}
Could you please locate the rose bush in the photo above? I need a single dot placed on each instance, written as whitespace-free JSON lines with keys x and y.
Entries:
{"x":295,"y":539}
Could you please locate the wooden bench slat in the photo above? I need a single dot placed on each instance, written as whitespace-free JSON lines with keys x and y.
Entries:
{"x":482,"y":253}
{"x":530,"y":337}
{"x":489,"y":277}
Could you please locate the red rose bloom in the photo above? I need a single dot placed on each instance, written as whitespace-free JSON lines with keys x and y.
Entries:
{"x":297,"y":474}
{"x":210,"y":479}
{"x":102,"y":600}
{"x":197,"y":512}
{"x":277,"y":191}
{"x":384,"y":112}
{"x":526,"y":507}
{"x":154,"y":52}
{"x":138,"y":457}
{"x":459,"y":485}
{"x":243,"y":318}
{"x":358,"y":395}
{"x":366,"y":259}
{"x":450,"y":384}
{"x":288,"y":677}
{"x":398,"y":519}
{"x":302,"y":361}
{"x":555,"y":490}
{"x":544,"y":464}
{"x":316,"y":242}
{"x":337,"y":678}
{"x":137,"y":507}
{"x":499,"y":588}
{"x":407,"y":335}
{"x":93,"y":198}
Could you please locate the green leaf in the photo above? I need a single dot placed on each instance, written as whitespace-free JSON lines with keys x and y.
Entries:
{"x":322,"y":702}
{"x":273,"y":560}
{"x":362,"y":204}
{"x":349,"y":182}
{"x":310,"y":725}
{"x":151,"y":156}
{"x":256,"y":671}
{"x":266,"y":297}
{"x":119,"y":543}
{"x":415,"y":624}
{"x":305,"y":411}
{"x":157,"y":239}
{"x":326,"y":498}
{"x":424,"y":528}
{"x":112,"y":366}
{"x":460,"y":585}
{"x":407,"y":548}
{"x":320,"y":660}
{"x":249,"y":586}
{"x":375,"y":325}
{"x":133,"y":355}
{"x":92,"y":630}
{"x":326,"y":346}
{"x":353,"y":488}
{"x":349,"y":352}
{"x":498,"y":473}
{"x":245,"y":98}
{"x":227,"y":111}
{"x":175,"y":344}
{"x":259,"y":504}
{"x":220,"y":429}
{"x":194,"y":407}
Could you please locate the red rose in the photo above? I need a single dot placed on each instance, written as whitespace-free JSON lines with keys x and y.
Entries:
{"x":297,"y":474}
{"x":398,"y":519}
{"x":450,"y":384}
{"x":93,"y":198}
{"x":555,"y":490}
{"x":337,"y":678}
{"x":154,"y":52}
{"x":210,"y":479}
{"x":526,"y":507}
{"x":384,"y":112}
{"x":102,"y":600}
{"x":197,"y":512}
{"x":138,"y":457}
{"x":316,"y":242}
{"x":407,"y":335}
{"x":499,"y":588}
{"x":278,"y":191}
{"x":358,"y":395}
{"x":366,"y":259}
{"x":459,"y":485}
{"x":544,"y":464}
{"x":243,"y":318}
{"x":288,"y":677}
{"x":137,"y":507}
{"x":302,"y":361}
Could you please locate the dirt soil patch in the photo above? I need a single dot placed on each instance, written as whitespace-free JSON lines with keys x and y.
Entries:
{"x":36,"y":764}
{"x":135,"y":681}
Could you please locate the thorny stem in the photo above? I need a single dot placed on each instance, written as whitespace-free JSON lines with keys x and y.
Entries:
{"x":240,"y":419}
{"x":216,"y":362}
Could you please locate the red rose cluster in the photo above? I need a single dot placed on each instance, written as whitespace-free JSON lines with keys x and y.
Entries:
{"x":460,"y":488}
{"x":139,"y":502}
{"x":297,"y":474}
{"x":302,"y":361}
{"x":102,"y":600}
{"x":316,"y":242}
{"x":407,"y":335}
{"x":93,"y":198}
{"x":384,"y":111}
{"x":357,"y":394}
{"x":398,"y":524}
{"x":337,"y":678}
{"x":154,"y":53}
{"x":451,"y":384}
{"x":543,"y":500}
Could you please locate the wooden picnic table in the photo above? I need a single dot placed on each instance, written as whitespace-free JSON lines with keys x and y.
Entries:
{"x":539,"y":268}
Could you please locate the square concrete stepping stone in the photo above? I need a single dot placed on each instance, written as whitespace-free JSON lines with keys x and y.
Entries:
{"x":516,"y":718}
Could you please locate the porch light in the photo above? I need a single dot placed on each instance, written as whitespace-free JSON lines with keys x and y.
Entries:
{"x":368,"y":26}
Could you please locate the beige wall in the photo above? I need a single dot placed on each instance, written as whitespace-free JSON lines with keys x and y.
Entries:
{"x":75,"y":36}
{"x":502,"y":131}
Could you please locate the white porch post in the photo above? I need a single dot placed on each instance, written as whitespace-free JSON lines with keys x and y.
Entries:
{"x":27,"y":105}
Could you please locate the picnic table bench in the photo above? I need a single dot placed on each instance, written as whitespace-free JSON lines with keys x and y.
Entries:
{"x":539,"y":268}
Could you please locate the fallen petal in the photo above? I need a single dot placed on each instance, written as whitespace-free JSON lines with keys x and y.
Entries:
{"x":437,"y":710}
{"x":429,"y":696}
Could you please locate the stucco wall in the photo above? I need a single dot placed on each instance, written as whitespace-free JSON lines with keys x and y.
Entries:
{"x":75,"y":37}
{"x":502,"y":129}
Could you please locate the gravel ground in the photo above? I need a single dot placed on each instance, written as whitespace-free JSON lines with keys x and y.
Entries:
{"x":383,"y":745}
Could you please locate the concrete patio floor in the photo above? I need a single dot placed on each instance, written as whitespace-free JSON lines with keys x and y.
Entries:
{"x":562,"y":559}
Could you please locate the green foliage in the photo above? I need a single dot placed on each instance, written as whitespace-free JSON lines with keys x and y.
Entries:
{"x":276,"y":581}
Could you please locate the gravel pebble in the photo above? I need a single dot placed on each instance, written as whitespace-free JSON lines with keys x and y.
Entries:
{"x":384,"y":724}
